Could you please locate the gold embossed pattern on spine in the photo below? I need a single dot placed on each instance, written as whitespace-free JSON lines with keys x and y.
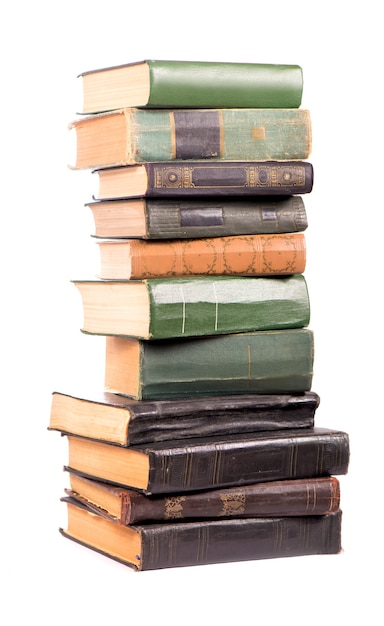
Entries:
{"x":255,"y":176}
{"x":232,"y":504}
{"x":174,"y":507}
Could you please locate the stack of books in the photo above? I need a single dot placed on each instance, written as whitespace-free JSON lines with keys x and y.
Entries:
{"x":202,"y":446}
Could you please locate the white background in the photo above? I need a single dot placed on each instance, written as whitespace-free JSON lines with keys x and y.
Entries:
{"x":45,"y":242}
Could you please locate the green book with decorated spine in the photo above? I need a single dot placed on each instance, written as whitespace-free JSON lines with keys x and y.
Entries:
{"x":178,"y":218}
{"x":270,"y":361}
{"x":197,"y":84}
{"x":130,"y":136}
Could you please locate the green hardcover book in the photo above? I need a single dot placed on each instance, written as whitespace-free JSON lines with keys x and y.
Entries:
{"x":270,"y":361}
{"x":130,"y":136}
{"x":202,"y":463}
{"x":177,"y":218}
{"x":193,"y":84}
{"x":167,"y":308}
{"x":158,"y":546}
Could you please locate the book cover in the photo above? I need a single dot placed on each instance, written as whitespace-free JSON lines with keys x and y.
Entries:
{"x":213,"y":462}
{"x":123,"y":421}
{"x":276,"y":361}
{"x":177,"y":218}
{"x":195,"y":84}
{"x":305,"y":496}
{"x":241,"y":255}
{"x":204,"y":178}
{"x":158,"y":546}
{"x":130,"y":136}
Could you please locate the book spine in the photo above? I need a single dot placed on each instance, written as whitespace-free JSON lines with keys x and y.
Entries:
{"x":206,"y":84}
{"x":197,"y":178}
{"x":317,"y":496}
{"x":174,"y":219}
{"x":246,"y":461}
{"x":220,"y":541}
{"x":229,"y":134}
{"x":204,"y":417}
{"x":198,"y":307}
{"x":241,"y":255}
{"x":261,"y":362}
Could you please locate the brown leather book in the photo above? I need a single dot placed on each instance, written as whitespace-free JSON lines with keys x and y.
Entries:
{"x":306,"y":496}
{"x":201,"y":542}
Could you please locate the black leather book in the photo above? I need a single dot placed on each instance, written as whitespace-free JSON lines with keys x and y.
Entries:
{"x":178,"y":544}
{"x":120,"y":420}
{"x":213,"y":462}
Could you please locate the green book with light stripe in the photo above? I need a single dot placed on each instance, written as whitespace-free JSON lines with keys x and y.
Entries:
{"x":164,"y":308}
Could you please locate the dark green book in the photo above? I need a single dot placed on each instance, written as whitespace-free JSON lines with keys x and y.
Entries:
{"x":166,"y":308}
{"x":275,"y":361}
{"x":178,"y":218}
